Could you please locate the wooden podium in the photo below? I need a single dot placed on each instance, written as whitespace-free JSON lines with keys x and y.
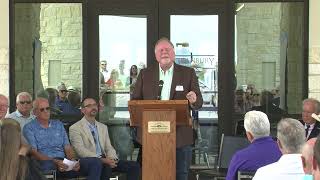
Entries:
{"x":158,"y":120}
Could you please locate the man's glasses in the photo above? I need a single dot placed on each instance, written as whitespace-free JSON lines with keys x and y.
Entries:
{"x":45,"y":109}
{"x":256,"y":94}
{"x":103,"y":64}
{"x":63,"y":91}
{"x":25,"y":102}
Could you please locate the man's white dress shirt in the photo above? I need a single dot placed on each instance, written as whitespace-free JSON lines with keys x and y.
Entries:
{"x":289,"y":167}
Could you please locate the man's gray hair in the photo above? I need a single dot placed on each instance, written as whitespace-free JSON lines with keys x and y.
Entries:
{"x":4,"y":97}
{"x":257,"y":123}
{"x":315,"y":102}
{"x":163,"y":39}
{"x":23,"y":94}
{"x":291,"y":134}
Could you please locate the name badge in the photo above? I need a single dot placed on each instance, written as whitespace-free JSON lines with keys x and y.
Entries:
{"x":179,"y":88}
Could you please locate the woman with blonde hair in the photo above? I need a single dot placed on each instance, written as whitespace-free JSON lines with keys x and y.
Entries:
{"x":14,"y":164}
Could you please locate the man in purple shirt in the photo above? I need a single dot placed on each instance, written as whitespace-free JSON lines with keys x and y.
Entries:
{"x":263,"y":149}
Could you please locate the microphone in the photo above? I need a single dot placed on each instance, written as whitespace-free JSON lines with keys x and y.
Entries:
{"x":160,"y":89}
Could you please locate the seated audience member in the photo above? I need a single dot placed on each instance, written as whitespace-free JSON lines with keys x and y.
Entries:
{"x":316,"y":160}
{"x":4,"y":104}
{"x":276,"y":96}
{"x":306,"y":157}
{"x":241,"y":105}
{"x":90,"y":138}
{"x":50,"y":145}
{"x":15,"y":165}
{"x":255,"y":101}
{"x":24,"y":106}
{"x":50,"y":94}
{"x":291,"y":137}
{"x":311,"y":125}
{"x":262,"y":151}
{"x":62,"y":102}
{"x":74,"y":99}
{"x":266,"y":104}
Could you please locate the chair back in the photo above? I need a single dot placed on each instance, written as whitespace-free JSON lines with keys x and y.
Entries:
{"x":228,"y":146}
{"x":245,"y":175}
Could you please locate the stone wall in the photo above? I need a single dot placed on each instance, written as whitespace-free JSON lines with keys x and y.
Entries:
{"x":61,"y":37}
{"x":292,"y":25}
{"x":4,"y":47}
{"x":262,"y":31}
{"x":4,"y":71}
{"x":26,"y":32}
{"x":314,"y":50}
{"x":258,"y":33}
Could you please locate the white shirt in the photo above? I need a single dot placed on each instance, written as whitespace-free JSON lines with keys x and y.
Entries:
{"x":288,"y":167}
{"x":106,"y":75}
{"x":166,"y":77}
{"x":21,"y":120}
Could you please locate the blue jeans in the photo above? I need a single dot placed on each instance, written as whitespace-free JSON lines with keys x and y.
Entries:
{"x":131,"y":168}
{"x":183,"y":161}
{"x":90,"y":167}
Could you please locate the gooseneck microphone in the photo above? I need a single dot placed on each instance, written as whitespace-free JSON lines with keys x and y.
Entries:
{"x":160,"y":89}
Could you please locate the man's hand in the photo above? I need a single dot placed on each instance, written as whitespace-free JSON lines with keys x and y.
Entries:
{"x":24,"y":149}
{"x":192,"y":97}
{"x":60,"y":166}
{"x":112,"y":163}
{"x":76,"y":167}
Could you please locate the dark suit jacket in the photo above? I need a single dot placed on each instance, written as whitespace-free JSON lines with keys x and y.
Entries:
{"x":315,"y":131}
{"x":147,"y":88}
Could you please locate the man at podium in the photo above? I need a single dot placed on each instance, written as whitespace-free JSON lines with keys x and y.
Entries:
{"x":167,"y":80}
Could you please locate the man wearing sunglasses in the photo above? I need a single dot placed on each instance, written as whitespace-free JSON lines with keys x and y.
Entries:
{"x":23,"y":113}
{"x":62,"y":101}
{"x":50,"y":145}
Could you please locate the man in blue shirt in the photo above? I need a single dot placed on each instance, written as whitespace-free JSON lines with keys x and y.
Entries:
{"x":262,"y":151}
{"x":62,"y":102}
{"x":50,"y":145}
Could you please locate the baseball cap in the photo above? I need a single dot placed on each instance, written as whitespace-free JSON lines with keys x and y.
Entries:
{"x":61,"y":86}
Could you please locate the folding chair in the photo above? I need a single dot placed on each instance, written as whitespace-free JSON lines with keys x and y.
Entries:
{"x":245,"y":175}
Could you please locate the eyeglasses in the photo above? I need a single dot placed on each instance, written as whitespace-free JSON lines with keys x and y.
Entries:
{"x":25,"y":102}
{"x":44,"y":109}
{"x":256,"y":94}
{"x":63,"y":91}
{"x":103,"y":64}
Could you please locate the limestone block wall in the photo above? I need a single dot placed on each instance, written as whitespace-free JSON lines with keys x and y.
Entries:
{"x":261,"y":28}
{"x":258,"y":33}
{"x":26,"y":31}
{"x":4,"y":71}
{"x":314,"y":49}
{"x":4,"y":47}
{"x":292,"y":24}
{"x":61,"y":37}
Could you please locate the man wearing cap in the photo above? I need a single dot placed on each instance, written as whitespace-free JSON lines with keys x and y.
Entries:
{"x":311,"y":125}
{"x":62,"y":102}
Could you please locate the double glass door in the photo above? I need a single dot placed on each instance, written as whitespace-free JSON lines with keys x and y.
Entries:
{"x":126,"y":45}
